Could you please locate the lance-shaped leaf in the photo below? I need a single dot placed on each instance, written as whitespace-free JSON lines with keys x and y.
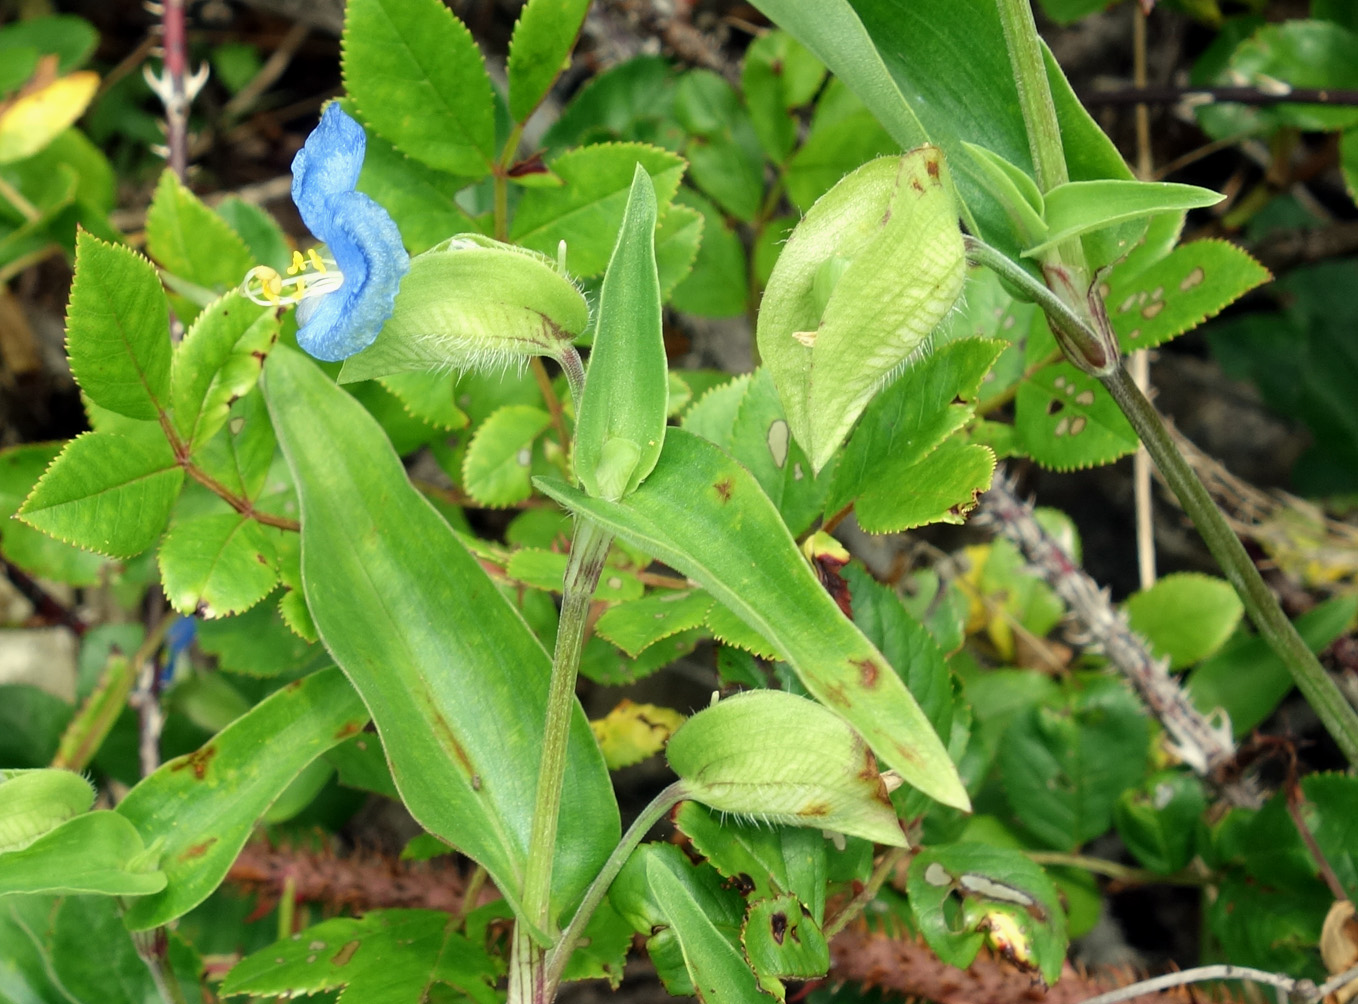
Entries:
{"x":455,"y":680}
{"x":867,"y":274}
{"x":198,"y":809}
{"x":780,"y":758}
{"x":622,"y":414}
{"x":705,"y":515}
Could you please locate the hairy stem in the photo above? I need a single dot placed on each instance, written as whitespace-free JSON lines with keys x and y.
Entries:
{"x":1034,"y":92}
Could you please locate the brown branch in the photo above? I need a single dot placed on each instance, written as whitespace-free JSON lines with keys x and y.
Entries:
{"x":1281,"y":94}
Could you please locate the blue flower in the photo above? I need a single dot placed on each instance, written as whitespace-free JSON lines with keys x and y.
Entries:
{"x":345,"y":296}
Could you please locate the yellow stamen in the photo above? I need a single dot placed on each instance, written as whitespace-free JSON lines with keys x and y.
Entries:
{"x":317,"y":262}
{"x":309,"y":275}
{"x":298,"y":263}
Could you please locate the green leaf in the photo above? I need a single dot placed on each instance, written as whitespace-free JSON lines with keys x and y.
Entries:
{"x":779,"y":74}
{"x":717,"y":285}
{"x":723,"y":154}
{"x":1014,"y":190}
{"x":217,"y":565}
{"x":1080,"y":207}
{"x":198,"y":809}
{"x":1158,"y":821}
{"x":636,"y":625}
{"x":1005,"y":899}
{"x":773,"y":860}
{"x":418,"y":78}
{"x":1186,"y":616}
{"x":889,"y":233}
{"x":72,"y":39}
{"x":386,"y":957}
{"x":843,"y":136}
{"x":500,"y":457}
{"x":1247,"y":680}
{"x":456,"y":681}
{"x":588,"y":209}
{"x":620,"y":428}
{"x":191,"y":241}
{"x":546,"y":570}
{"x":1064,"y":418}
{"x":94,"y":956}
{"x":262,"y":235}
{"x":97,"y":853}
{"x":941,"y":488}
{"x":1150,"y":305}
{"x":118,"y":329}
{"x":1332,"y":816}
{"x":218,"y":361}
{"x":107,"y":492}
{"x":716,"y":969}
{"x":909,"y":420}
{"x":781,"y":942}
{"x":540,"y":49}
{"x":705,"y":515}
{"x":428,"y":397}
{"x":1066,"y":762}
{"x":678,"y":236}
{"x":37,"y":553}
{"x":1300,"y":53}
{"x":633,"y":100}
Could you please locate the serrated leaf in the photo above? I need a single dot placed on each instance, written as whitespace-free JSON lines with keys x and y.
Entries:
{"x":781,"y":942}
{"x":1064,"y":418}
{"x":1151,"y":305}
{"x":428,"y":397}
{"x":1186,"y":616}
{"x":770,"y":860}
{"x":844,"y":134}
{"x":217,"y":565}
{"x":1158,"y":821}
{"x":1006,"y":899}
{"x":637,"y":624}
{"x":218,"y":361}
{"x":418,"y":78}
{"x":38,"y":553}
{"x":118,"y":329}
{"x":604,"y":664}
{"x":941,"y":488}
{"x":547,"y":569}
{"x":202,"y":806}
{"x":386,"y":957}
{"x":107,"y":492}
{"x":632,"y":732}
{"x":678,"y":236}
{"x":426,"y":637}
{"x":191,"y":241}
{"x":705,"y":515}
{"x":779,"y":74}
{"x":910,"y":419}
{"x":717,"y":285}
{"x":95,"y":853}
{"x":499,"y":459}
{"x":242,"y":454}
{"x":540,"y":49}
{"x":729,"y":629}
{"x":724,"y":157}
{"x":587,"y":211}
{"x":632,"y":100}
{"x":1066,"y":762}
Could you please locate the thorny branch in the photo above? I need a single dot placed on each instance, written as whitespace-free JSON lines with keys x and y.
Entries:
{"x":1203,"y":745}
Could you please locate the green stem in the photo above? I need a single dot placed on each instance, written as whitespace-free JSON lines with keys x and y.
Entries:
{"x":499,"y":171}
{"x":1321,"y":692}
{"x":1034,"y":92}
{"x":867,"y":894}
{"x":588,"y":550}
{"x":594,"y":895}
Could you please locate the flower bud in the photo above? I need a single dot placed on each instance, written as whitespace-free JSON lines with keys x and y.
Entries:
{"x":472,"y":302}
{"x":779,"y":758}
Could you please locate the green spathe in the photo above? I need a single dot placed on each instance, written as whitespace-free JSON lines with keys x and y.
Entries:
{"x":472,"y":302}
{"x":863,"y":280}
{"x":779,"y":758}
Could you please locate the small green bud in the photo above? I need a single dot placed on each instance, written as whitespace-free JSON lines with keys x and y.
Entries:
{"x":474,"y":303}
{"x":780,"y":758}
{"x":34,"y":802}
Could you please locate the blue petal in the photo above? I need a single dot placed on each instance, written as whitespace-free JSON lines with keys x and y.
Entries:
{"x":328,"y":163}
{"x":366,"y":246}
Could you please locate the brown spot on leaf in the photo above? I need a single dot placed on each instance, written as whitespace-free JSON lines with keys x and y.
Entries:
{"x":914,"y":183}
{"x":778,"y":927}
{"x":931,"y":165}
{"x":724,"y":488}
{"x":1193,"y":278}
{"x":342,"y":957}
{"x":1151,"y":309}
{"x":1054,"y":406}
{"x":197,"y":850}
{"x":530,"y":165}
{"x":197,"y":762}
{"x":448,"y":739}
{"x":348,"y":729}
{"x":816,"y":810}
{"x":867,"y":672}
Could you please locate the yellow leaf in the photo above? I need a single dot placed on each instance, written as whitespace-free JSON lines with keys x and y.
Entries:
{"x":631,"y":732}
{"x":34,"y":119}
